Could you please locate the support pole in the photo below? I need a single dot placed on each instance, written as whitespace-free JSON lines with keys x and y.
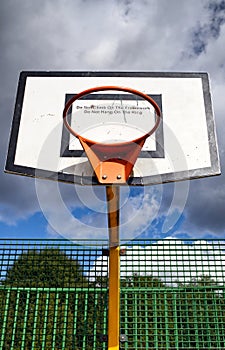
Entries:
{"x":113,"y":196}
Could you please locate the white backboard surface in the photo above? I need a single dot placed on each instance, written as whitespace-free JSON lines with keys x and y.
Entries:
{"x":183,"y":147}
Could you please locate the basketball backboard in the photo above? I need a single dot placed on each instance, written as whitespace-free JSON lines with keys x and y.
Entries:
{"x":183,"y":147}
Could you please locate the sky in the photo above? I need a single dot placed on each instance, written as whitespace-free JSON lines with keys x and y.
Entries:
{"x":114,"y":35}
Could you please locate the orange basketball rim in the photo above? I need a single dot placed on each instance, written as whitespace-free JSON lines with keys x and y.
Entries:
{"x":112,"y":162}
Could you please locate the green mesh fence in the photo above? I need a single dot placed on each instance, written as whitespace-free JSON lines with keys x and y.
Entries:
{"x":53,"y":295}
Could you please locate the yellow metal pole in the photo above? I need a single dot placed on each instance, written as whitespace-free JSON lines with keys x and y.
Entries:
{"x":113,"y":195}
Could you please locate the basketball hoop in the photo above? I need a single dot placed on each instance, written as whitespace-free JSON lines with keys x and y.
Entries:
{"x":112,"y":161}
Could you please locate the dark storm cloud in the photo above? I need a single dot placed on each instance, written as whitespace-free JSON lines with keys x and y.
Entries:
{"x":205,"y":209}
{"x":217,"y":17}
{"x":211,"y":29}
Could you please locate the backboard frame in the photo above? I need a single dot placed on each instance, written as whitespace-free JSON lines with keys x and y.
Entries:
{"x":213,"y":169}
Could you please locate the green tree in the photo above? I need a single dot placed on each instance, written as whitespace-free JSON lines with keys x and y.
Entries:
{"x":200,"y":314}
{"x":142,"y":307}
{"x":50,"y":268}
{"x":50,"y":303}
{"x":190,"y":315}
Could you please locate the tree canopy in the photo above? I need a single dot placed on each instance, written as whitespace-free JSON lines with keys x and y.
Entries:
{"x":50,"y":268}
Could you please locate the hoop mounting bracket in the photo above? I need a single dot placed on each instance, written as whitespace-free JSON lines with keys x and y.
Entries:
{"x":112,"y":164}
